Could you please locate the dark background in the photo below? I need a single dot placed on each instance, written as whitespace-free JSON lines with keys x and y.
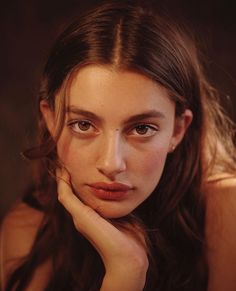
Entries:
{"x":27,"y":31}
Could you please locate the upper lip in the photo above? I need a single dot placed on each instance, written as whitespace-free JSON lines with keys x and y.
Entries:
{"x":111,"y":186}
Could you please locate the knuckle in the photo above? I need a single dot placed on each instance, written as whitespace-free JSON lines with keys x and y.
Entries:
{"x":89,"y":214}
{"x":76,"y":223}
{"x":84,"y":217}
{"x":61,"y":197}
{"x":139,"y":262}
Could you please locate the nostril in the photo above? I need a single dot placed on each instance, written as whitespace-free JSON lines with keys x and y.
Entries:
{"x":111,"y":169}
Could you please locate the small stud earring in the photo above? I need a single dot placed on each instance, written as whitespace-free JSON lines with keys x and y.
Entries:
{"x":172,"y":148}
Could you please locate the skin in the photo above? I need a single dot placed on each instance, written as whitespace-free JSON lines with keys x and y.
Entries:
{"x":119,"y":247}
{"x":110,"y":147}
{"x":114,"y":144}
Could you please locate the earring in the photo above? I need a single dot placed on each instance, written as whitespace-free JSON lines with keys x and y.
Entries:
{"x":172,"y":148}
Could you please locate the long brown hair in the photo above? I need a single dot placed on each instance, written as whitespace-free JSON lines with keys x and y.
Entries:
{"x":133,"y":37}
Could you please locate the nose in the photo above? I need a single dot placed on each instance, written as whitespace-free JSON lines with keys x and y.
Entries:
{"x":111,"y":160}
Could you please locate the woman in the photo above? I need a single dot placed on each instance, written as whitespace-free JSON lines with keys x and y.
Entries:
{"x":135,"y":182}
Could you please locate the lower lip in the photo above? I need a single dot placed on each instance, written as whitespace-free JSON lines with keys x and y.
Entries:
{"x":109,"y":195}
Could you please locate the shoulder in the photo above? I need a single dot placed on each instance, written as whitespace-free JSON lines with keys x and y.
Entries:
{"x":220,"y":192}
{"x":18,"y":231}
{"x":221,"y":232}
{"x":221,"y":198}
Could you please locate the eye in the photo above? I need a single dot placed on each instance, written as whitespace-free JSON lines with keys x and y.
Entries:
{"x":80,"y":126}
{"x":144,"y":130}
{"x":84,"y":125}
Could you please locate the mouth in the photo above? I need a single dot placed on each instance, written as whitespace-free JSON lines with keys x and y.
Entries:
{"x":114,"y":191}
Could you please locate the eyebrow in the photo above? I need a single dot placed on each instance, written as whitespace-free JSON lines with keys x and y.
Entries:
{"x":78,"y":111}
{"x":145,"y":115}
{"x":134,"y":118}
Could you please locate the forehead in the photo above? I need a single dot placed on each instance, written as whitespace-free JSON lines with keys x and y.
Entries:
{"x":100,"y":88}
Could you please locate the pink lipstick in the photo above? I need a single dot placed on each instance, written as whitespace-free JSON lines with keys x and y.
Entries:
{"x":113,"y":191}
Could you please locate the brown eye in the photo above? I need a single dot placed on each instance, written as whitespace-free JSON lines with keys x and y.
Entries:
{"x":84,"y":125}
{"x":142,"y":129}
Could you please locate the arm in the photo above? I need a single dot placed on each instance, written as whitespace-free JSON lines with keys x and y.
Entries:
{"x":221,"y":234}
{"x":124,"y":256}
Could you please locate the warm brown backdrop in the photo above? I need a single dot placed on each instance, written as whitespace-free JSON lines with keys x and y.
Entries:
{"x":27,"y":31}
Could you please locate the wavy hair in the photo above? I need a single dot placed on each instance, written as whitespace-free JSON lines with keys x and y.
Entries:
{"x":135,"y":38}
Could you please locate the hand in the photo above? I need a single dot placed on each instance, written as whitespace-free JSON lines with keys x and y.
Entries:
{"x":123,"y":255}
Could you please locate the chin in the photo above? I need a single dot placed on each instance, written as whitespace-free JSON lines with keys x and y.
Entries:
{"x":111,"y":213}
{"x":107,"y":209}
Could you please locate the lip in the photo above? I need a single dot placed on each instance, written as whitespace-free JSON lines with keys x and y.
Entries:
{"x":110,"y":191}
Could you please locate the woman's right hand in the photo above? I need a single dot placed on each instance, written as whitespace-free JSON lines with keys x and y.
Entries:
{"x":123,"y":254}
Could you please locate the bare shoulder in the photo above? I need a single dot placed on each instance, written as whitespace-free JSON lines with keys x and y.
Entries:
{"x":18,"y":231}
{"x":221,"y":232}
{"x":221,"y":200}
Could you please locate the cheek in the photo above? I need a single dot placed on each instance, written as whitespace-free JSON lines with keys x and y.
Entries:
{"x":153,"y":162}
{"x":149,"y":170}
{"x":66,"y":149}
{"x":73,"y":156}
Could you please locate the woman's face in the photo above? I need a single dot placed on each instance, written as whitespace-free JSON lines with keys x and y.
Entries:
{"x":119,"y":128}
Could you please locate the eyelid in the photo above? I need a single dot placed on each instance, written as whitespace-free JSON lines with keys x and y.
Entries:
{"x":71,"y":116}
{"x":78,"y":119}
{"x":150,"y":126}
{"x":74,"y":120}
{"x":79,"y":131}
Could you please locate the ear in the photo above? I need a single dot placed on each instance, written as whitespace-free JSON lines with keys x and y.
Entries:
{"x":48,"y":116}
{"x":181,"y":125}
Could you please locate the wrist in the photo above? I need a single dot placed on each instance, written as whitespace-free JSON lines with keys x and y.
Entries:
{"x":117,"y":283}
{"x":125,"y":278}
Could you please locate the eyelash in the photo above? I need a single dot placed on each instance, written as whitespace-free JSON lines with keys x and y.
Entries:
{"x":79,"y":123}
{"x":148,"y":128}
